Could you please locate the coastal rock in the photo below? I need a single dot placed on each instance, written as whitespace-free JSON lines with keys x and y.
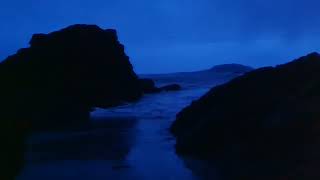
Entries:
{"x":12,"y":137}
{"x":171,"y":87}
{"x":148,"y":86}
{"x":67,"y":73}
{"x":57,"y":81}
{"x":262,"y":125}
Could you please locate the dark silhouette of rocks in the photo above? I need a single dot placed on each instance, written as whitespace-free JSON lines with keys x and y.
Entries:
{"x":67,"y":73}
{"x":57,"y":81}
{"x":148,"y":86}
{"x":12,"y":137}
{"x":171,"y":87}
{"x":262,"y":125}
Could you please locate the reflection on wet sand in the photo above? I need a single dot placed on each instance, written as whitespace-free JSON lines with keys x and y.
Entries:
{"x":82,"y":153}
{"x":109,"y":139}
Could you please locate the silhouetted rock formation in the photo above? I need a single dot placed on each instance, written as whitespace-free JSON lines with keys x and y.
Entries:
{"x":67,"y":73}
{"x":58,"y":80}
{"x":171,"y":87}
{"x":263,"y":125}
{"x":148,"y":86}
{"x":12,"y":137}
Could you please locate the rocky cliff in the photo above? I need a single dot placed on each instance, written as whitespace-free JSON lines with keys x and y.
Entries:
{"x":262,"y":125}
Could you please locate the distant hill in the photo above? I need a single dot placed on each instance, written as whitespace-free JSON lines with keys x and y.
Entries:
{"x":212,"y":76}
{"x":222,"y":68}
{"x":235,"y":68}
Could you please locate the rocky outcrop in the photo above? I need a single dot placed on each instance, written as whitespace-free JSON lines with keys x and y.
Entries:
{"x":66,"y":73}
{"x":12,"y":137}
{"x":148,"y":86}
{"x":171,"y":87}
{"x":56,"y":82}
{"x":262,"y":125}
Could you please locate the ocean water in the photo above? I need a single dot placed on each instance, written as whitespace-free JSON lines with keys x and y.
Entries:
{"x":128,"y":142}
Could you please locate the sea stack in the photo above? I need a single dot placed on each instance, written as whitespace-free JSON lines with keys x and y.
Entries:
{"x":57,"y":81}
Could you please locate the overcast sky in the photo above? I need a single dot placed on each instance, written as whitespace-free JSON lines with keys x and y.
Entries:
{"x":177,"y":35}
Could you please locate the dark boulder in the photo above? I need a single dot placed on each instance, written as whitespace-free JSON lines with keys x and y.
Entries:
{"x":66,"y":73}
{"x":171,"y":87}
{"x":148,"y":86}
{"x":57,"y":81}
{"x":262,"y":125}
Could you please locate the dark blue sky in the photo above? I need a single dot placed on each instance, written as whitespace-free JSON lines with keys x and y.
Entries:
{"x":177,"y":35}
